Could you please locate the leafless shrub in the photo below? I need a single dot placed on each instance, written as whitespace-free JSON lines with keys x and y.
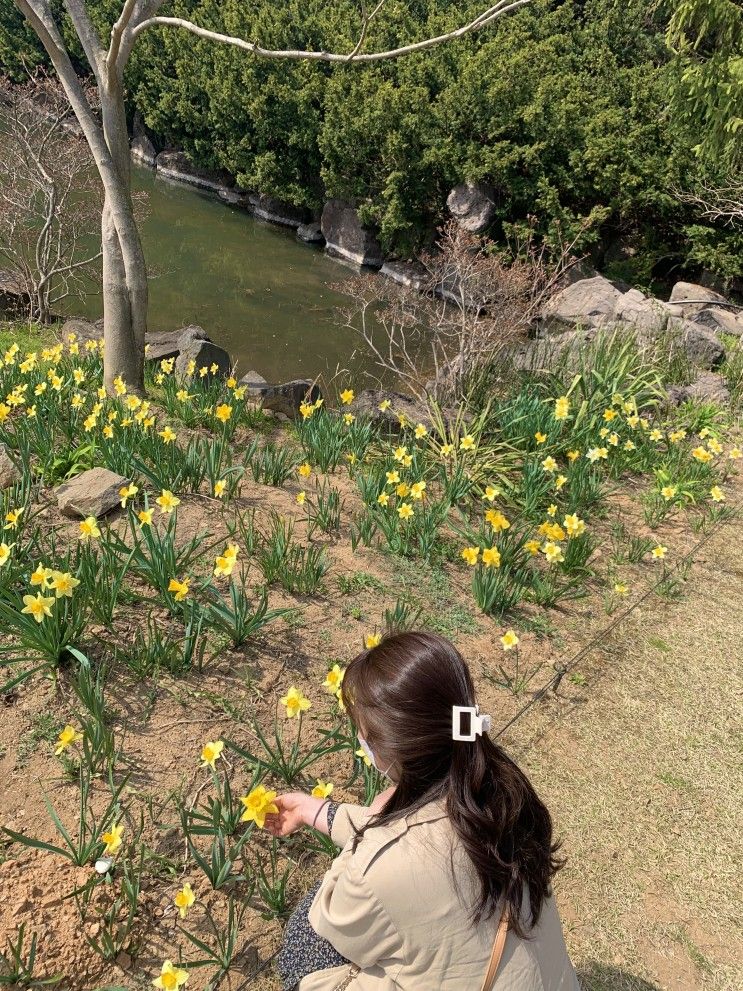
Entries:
{"x":721,"y":204}
{"x":474,"y":299}
{"x":50,"y":205}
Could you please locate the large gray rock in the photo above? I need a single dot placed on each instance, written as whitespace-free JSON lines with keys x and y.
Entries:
{"x":239,"y":198}
{"x":204,"y":353}
{"x":410,"y":274}
{"x":92,"y":493}
{"x":310,"y":233}
{"x":176,"y":165}
{"x":586,"y":303}
{"x":702,"y":346}
{"x":276,"y":211}
{"x":287,"y":397}
{"x":367,"y":404}
{"x":688,"y":299}
{"x":82,"y":330}
{"x":142,"y":147}
{"x":472,"y":204}
{"x":646,"y":314}
{"x":9,"y":473}
{"x":254,"y":383}
{"x":169,"y":344}
{"x":721,"y":321}
{"x":345,"y":236}
{"x":709,"y":387}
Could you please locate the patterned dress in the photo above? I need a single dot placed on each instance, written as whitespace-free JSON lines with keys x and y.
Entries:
{"x":303,"y":951}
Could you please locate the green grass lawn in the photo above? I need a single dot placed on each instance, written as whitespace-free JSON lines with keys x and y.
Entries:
{"x":28,"y":337}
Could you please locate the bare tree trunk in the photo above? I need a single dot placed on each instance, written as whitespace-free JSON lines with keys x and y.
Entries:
{"x":124,"y":267}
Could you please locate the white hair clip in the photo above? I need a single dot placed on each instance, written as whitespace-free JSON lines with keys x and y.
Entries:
{"x":478,"y":724}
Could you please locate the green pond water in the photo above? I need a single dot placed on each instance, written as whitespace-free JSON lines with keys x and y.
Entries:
{"x":256,"y":290}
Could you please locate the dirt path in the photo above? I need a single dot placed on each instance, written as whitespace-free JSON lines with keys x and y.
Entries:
{"x":645,"y":778}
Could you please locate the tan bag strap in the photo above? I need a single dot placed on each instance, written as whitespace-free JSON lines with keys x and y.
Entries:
{"x":497,"y":953}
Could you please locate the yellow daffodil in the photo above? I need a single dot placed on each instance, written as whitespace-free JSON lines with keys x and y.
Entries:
{"x":633,"y":420}
{"x":66,"y":738}
{"x":717,"y":494}
{"x":145,"y":516}
{"x":562,"y":408}
{"x":167,"y":435}
{"x":384,"y":405}
{"x":112,"y":839}
{"x":573,"y":455}
{"x":211,"y":752}
{"x":549,"y":464}
{"x":304,"y":470}
{"x":223,"y":412}
{"x":183,"y":901}
{"x":402,"y":490}
{"x":574,"y":525}
{"x":553,"y":552}
{"x":127,"y":492}
{"x":491,"y":557}
{"x":89,"y":529}
{"x":180,"y":588}
{"x":348,"y":419}
{"x":171,"y":978}
{"x":322,"y":789}
{"x":715,"y":446}
{"x":597,"y":454}
{"x":300,"y":498}
{"x":552,"y":509}
{"x":362,"y":754}
{"x":405,"y":511}
{"x":467,"y":443}
{"x":334,"y":678}
{"x":220,"y":487}
{"x":12,"y":519}
{"x":509,"y":640}
{"x":420,"y":431}
{"x":5,"y":550}
{"x":42,"y":576}
{"x":491,"y":493}
{"x":609,"y":414}
{"x":295,"y":703}
{"x":167,"y":501}
{"x":417,"y":490}
{"x":560,"y":481}
{"x":701,"y":454}
{"x":63,"y":584}
{"x":532,"y":546}
{"x":372,"y":640}
{"x":393,"y":477}
{"x":347,"y":397}
{"x":629,"y":445}
{"x":471,"y":555}
{"x":497,"y":520}
{"x":655,"y":435}
{"x":668,"y":492}
{"x":258,"y":804}
{"x":447,"y":450}
{"x":620,"y":588}
{"x":540,"y":438}
{"x":383,"y":498}
{"x":735,"y":453}
{"x":659,"y":552}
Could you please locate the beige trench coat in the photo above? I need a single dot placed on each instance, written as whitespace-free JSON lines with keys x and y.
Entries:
{"x":392,"y":908}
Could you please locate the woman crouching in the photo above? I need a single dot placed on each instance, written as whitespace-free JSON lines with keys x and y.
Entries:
{"x":444,"y":882}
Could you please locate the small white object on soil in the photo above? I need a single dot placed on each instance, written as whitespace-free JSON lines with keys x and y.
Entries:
{"x":103,"y":866}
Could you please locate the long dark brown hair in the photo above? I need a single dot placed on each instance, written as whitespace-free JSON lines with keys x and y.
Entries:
{"x":400,"y":695}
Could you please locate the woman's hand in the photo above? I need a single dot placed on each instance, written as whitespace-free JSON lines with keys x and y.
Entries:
{"x":295,"y":810}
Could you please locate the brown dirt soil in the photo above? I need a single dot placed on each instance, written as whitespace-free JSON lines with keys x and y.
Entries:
{"x":636,"y":752}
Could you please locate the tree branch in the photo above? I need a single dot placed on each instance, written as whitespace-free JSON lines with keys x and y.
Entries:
{"x":88,"y":35}
{"x":482,"y":20}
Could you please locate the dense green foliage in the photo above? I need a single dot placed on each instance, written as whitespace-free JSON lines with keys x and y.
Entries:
{"x":572,"y":110}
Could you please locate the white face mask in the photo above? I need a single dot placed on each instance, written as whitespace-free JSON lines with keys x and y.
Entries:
{"x":370,"y":754}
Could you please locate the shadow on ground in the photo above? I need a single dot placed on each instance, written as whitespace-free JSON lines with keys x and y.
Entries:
{"x":599,"y":977}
